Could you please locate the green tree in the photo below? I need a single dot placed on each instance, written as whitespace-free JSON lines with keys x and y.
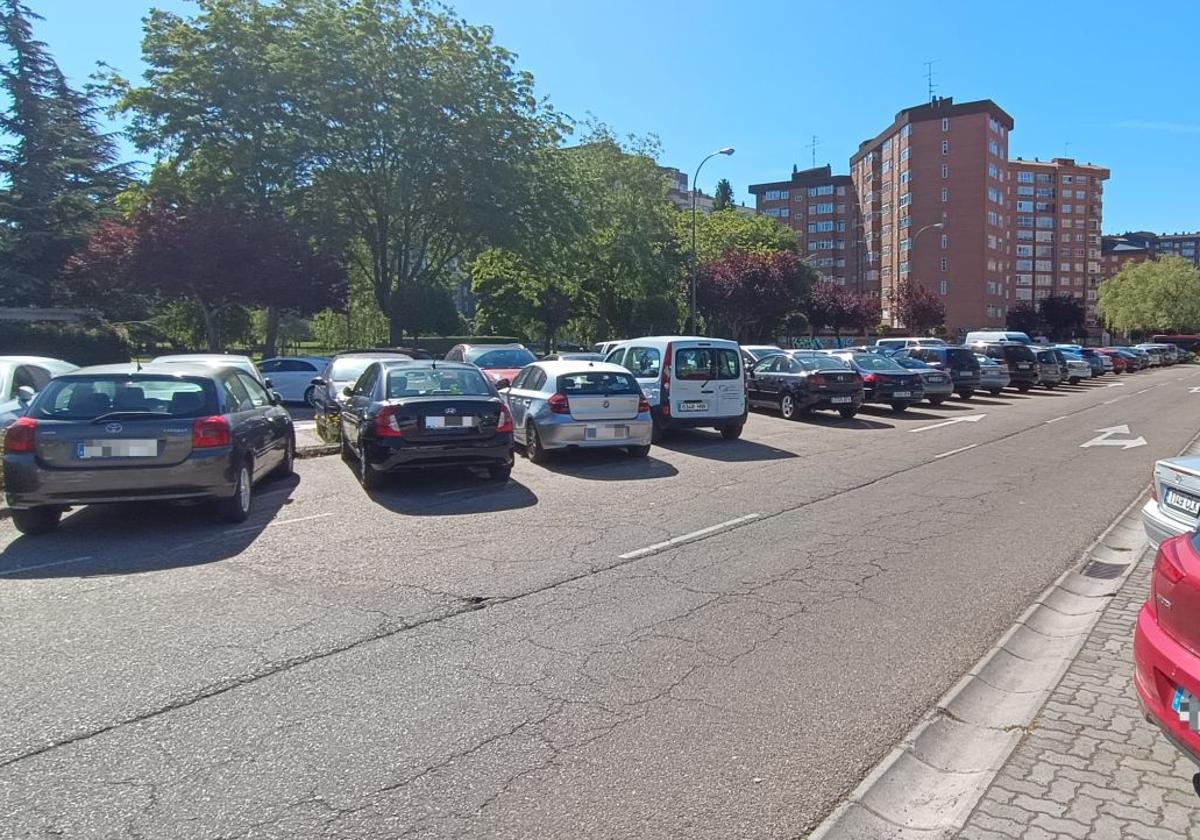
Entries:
{"x":1162,"y":295}
{"x":726,"y":230}
{"x":59,"y":172}
{"x":1063,"y":316}
{"x":1024,"y":317}
{"x":723,"y":198}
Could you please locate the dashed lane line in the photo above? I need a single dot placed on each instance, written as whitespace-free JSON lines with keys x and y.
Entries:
{"x":955,"y":451}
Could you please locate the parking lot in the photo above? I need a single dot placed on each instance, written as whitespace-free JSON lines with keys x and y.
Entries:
{"x":715,"y":642}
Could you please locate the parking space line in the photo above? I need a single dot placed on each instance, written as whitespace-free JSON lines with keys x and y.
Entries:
{"x":45,"y":565}
{"x":686,"y":538}
{"x":1056,"y":419}
{"x":955,"y":451}
{"x":298,"y":519}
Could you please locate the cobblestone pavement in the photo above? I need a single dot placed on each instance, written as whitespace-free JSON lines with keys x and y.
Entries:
{"x":1091,"y":766}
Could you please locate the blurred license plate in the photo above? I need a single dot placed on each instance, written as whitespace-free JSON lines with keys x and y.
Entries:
{"x":901,"y":393}
{"x":85,"y":449}
{"x":840,"y":400}
{"x":450,"y":421}
{"x":693,"y":405}
{"x":1183,"y":502}
{"x":1022,"y":366}
{"x":606,"y":432}
{"x":1187,"y":708}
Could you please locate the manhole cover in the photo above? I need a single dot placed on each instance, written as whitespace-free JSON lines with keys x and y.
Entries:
{"x":1104,"y":571}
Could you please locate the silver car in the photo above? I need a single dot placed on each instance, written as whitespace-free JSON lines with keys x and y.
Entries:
{"x":1174,"y":504}
{"x":993,"y":375}
{"x":572,"y":404}
{"x":939,"y":386}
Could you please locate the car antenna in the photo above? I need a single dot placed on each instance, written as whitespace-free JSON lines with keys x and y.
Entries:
{"x":137,"y":362}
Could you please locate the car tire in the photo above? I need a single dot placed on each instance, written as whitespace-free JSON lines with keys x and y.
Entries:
{"x":287,"y":467}
{"x":36,"y":520}
{"x":533,"y":445}
{"x":966,"y":393}
{"x":936,"y":400}
{"x":848,"y":413}
{"x":236,"y":507}
{"x":344,"y":449}
{"x":500,"y":473}
{"x":1074,"y":381}
{"x":369,"y":477}
{"x":899,"y":407}
{"x":995,"y":392}
{"x":731,"y":432}
{"x":1023,"y":387}
{"x":787,"y":407}
{"x":638,"y":451}
{"x":657,"y":430}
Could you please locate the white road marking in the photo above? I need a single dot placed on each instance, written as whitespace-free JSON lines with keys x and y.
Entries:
{"x":1105,"y":438}
{"x":955,"y":451}
{"x":1194,"y":390}
{"x":1113,"y":384}
{"x":455,"y":492}
{"x":305,"y":425}
{"x":686,"y":538}
{"x":298,"y":519}
{"x":1113,"y":400}
{"x":1056,"y":419}
{"x":1144,"y":390}
{"x":45,"y":565}
{"x":973,"y":418}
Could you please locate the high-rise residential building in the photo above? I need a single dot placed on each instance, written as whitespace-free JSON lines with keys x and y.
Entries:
{"x":931,"y":189}
{"x":1116,"y":252}
{"x":823,"y":210}
{"x":1057,"y":209}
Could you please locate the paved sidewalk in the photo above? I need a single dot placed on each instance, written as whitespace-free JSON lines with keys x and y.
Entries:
{"x":1091,"y":766}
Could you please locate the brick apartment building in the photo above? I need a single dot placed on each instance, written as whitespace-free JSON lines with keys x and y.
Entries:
{"x":1186,"y":245}
{"x":823,"y":210}
{"x":1116,"y":252}
{"x":945,"y":164}
{"x":1056,"y":208}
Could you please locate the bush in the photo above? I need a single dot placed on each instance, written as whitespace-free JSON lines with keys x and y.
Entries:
{"x":76,"y":343}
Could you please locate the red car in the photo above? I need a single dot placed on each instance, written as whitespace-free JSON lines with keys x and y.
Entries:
{"x":499,"y":362}
{"x":1120,"y":365}
{"x":1166,"y":645}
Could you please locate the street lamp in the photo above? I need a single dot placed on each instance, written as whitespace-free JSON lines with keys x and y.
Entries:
{"x":728,"y":150}
{"x":913,"y":248}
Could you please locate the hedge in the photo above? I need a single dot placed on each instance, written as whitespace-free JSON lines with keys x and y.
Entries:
{"x":76,"y":343}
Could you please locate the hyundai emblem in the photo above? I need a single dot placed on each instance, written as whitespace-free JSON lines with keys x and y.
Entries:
{"x":113,"y":428}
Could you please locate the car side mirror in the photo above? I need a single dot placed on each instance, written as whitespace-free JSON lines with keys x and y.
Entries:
{"x":276,"y":398}
{"x":319,"y":381}
{"x":267,"y":381}
{"x":347,"y":391}
{"x":26,"y":393}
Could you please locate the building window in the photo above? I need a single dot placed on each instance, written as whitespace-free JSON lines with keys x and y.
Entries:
{"x":944,"y":287}
{"x":1022,"y":250}
{"x":945,"y":242}
{"x":945,"y":194}
{"x":826,"y":189}
{"x":945,"y":123}
{"x":821,"y":208}
{"x":994,"y":195}
{"x":777,"y":195}
{"x":904,"y":177}
{"x":943,"y":264}
{"x":945,"y":147}
{"x":1080,"y":194}
{"x":887,"y":146}
{"x":1024,"y":206}
{"x":1045,"y":221}
{"x":1066,"y":179}
{"x":993,"y":218}
{"x":906,"y":199}
{"x":994,"y":147}
{"x":1025,"y":191}
{"x":945,"y":170}
{"x":906,"y":130}
{"x":887,"y":167}
{"x":904,"y":153}
{"x":1025,"y":177}
{"x":993,"y":171}
{"x":905,"y":222}
{"x":905,"y":244}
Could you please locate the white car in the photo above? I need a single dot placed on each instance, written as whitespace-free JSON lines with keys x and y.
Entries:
{"x":1174,"y":505}
{"x":886,"y":345}
{"x":1077,"y":369}
{"x":292,"y":376}
{"x":18,"y":372}
{"x":214,"y":359}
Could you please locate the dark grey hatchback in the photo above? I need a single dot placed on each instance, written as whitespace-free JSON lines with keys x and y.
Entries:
{"x":120,"y":433}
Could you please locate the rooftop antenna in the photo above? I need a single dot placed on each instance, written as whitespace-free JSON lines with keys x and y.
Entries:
{"x":1067,"y":149}
{"x":813,"y":146}
{"x":929,"y":76}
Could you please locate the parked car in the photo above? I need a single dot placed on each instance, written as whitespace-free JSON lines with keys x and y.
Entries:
{"x":884,"y":380}
{"x":799,"y":384}
{"x":118,"y":433}
{"x":1174,"y":504}
{"x":993,"y":336}
{"x":1156,"y":355}
{"x":1093,"y":359}
{"x":1048,"y":371}
{"x":329,"y":388}
{"x":214,"y":360}
{"x":1077,"y":369}
{"x":993,"y":374}
{"x":292,"y":376}
{"x":753,"y":353}
{"x":572,"y":357}
{"x":1120,"y":361}
{"x":604,"y":347}
{"x":21,"y":377}
{"x":421,"y":413}
{"x":578,"y":405}
{"x":1106,"y":363}
{"x":1142,"y":357}
{"x":1166,"y":645}
{"x":938,"y":385}
{"x":886,"y":345}
{"x":959,"y":362}
{"x":690,"y":382}
{"x":1022,"y":364}
{"x":499,"y":362}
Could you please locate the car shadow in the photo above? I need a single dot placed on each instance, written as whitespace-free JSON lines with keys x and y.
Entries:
{"x":449,"y":492}
{"x":706,"y":444}
{"x":126,"y":539}
{"x":989,"y":400}
{"x":957,"y":404}
{"x":835,"y":422}
{"x":907,"y":414}
{"x":606,"y":465}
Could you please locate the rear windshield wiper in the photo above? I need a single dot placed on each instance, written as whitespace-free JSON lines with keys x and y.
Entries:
{"x":129,"y":415}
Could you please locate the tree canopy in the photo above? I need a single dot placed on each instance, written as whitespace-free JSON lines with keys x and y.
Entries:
{"x":1161,"y":295}
{"x":918,"y":308}
{"x":748,"y":295}
{"x":723,"y":197}
{"x":1063,"y":316}
{"x":725,"y":230}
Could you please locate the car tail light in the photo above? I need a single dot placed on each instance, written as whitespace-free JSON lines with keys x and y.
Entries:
{"x":1166,"y":566}
{"x":386,"y":424}
{"x":643,"y":404}
{"x":20,"y":437}
{"x":505,"y":423}
{"x":868,"y":378}
{"x":559,"y":404}
{"x":210,"y":432}
{"x":816,"y":379}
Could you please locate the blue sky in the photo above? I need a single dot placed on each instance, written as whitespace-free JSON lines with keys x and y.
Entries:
{"x":1115,"y":83}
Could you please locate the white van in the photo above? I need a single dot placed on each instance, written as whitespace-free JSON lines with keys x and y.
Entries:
{"x":989,"y":336}
{"x":690,"y":381}
{"x":889,"y":344}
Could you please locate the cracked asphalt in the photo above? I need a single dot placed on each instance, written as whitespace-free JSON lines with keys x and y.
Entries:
{"x":455,"y":659}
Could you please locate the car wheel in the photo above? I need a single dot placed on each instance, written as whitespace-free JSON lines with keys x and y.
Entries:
{"x":1051,"y":386}
{"x":236,"y":508}
{"x":656,"y":429}
{"x":787,"y":407}
{"x":731,"y":432}
{"x":368,"y":476}
{"x":936,"y":400}
{"x":344,"y":446}
{"x":967,"y":393}
{"x":639,"y":451}
{"x":1023,"y":387}
{"x":287,"y":467}
{"x":899,"y":407}
{"x":533,"y":445}
{"x":995,"y":392}
{"x":1074,"y":381}
{"x":36,"y":520}
{"x":500,"y":473}
{"x":848,"y":413}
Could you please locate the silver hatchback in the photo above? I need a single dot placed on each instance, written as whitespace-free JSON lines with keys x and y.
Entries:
{"x":572,"y":404}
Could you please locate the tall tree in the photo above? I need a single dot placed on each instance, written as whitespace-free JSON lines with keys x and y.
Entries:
{"x":918,"y":308}
{"x":723,"y":198}
{"x":1162,"y":295}
{"x":748,"y":296}
{"x":58,"y":173}
{"x":832,"y":306}
{"x":1063,"y":316}
{"x":1024,"y":317}
{"x":724,"y":230}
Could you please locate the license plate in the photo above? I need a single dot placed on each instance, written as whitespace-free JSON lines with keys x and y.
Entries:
{"x":962,"y":374}
{"x":1022,"y":366}
{"x":86,"y":449}
{"x":450,"y":421}
{"x":901,"y":393}
{"x":1182,"y":502}
{"x":693,"y":405}
{"x":596,"y":432}
{"x":840,"y":400}
{"x":1187,"y":708}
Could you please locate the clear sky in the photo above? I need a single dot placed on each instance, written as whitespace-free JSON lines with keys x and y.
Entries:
{"x":1117,"y":83}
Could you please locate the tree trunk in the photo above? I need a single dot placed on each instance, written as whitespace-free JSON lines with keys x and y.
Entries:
{"x":211,"y":334}
{"x":272,"y":332}
{"x":395,"y":325}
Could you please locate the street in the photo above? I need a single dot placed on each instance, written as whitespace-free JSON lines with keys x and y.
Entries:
{"x":716,"y":642}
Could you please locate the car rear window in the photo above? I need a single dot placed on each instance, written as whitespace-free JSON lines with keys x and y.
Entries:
{"x":134,"y":398}
{"x":597,"y":382}
{"x":873,"y":361}
{"x":705,"y":363}
{"x":910,"y":363}
{"x":1018,"y":352}
{"x":508,"y":357}
{"x":958,"y":358}
{"x":436,"y":382}
{"x":348,"y":370}
{"x":822,"y":363}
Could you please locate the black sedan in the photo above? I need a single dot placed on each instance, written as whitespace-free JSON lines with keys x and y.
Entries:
{"x":343,"y":370}
{"x":423,"y":413}
{"x":885,"y":381}
{"x":799,"y":384}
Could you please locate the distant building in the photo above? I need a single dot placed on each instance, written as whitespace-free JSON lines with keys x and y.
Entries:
{"x":1116,"y":252}
{"x":823,"y":210}
{"x":1186,"y":245}
{"x":681,"y":197}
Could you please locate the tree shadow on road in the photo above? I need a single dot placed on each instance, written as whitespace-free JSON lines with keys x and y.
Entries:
{"x":706,"y":444}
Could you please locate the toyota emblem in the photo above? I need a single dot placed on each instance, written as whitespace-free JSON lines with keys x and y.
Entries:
{"x":113,"y":428}
{"x":452,"y":411}
{"x":606,"y":403}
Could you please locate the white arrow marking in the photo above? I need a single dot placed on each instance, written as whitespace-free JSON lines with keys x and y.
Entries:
{"x":1103,"y":439}
{"x":1194,"y":390}
{"x":973,"y":418}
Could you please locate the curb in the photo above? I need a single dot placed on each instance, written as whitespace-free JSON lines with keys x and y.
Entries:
{"x":317,"y":451}
{"x":929,"y":784}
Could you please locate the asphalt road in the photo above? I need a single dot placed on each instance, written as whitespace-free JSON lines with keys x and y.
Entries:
{"x":452,"y":658}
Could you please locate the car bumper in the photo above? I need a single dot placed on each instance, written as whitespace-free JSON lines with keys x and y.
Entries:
{"x":999,"y":381}
{"x":817,"y":402}
{"x":709,"y":421}
{"x":565,"y":433}
{"x":944,"y":389}
{"x":1159,"y":526}
{"x":886,"y":398}
{"x":1160,"y":664}
{"x":967,"y":383}
{"x":495,"y":451}
{"x":205,"y":474}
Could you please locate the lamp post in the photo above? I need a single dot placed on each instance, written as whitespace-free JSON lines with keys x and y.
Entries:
{"x":728,"y":150}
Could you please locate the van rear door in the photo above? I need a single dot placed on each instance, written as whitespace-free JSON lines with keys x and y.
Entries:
{"x":706,"y":380}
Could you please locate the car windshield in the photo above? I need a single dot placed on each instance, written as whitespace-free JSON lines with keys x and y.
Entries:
{"x":349,"y":368}
{"x":143,"y":397}
{"x":435,"y":382}
{"x":706,"y":363}
{"x":503,"y":359}
{"x":822,"y":363}
{"x":1017,"y":351}
{"x":873,"y":361}
{"x":597,"y":382}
